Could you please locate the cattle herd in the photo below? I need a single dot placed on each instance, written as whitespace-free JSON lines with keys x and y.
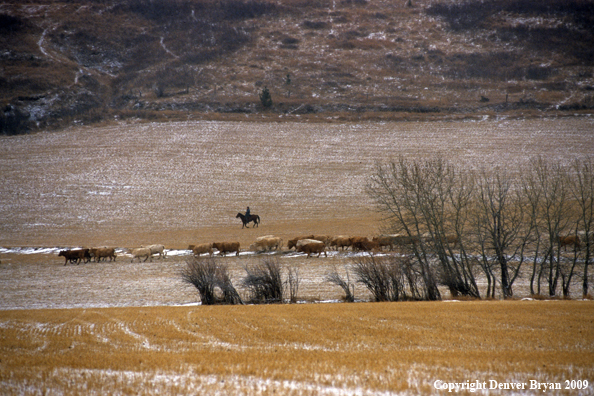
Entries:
{"x":103,"y":253}
{"x":307,"y":244}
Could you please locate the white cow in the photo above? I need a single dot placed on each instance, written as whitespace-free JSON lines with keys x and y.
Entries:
{"x":267,"y":243}
{"x":156,"y":249}
{"x":141,"y":252}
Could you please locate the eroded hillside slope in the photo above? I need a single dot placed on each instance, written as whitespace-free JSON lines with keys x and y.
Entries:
{"x":81,"y":61}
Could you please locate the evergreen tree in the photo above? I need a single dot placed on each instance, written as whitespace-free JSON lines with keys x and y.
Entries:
{"x":265,"y":98}
{"x":288,"y":84}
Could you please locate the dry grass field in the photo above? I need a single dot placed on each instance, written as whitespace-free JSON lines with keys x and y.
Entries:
{"x":312,"y":349}
{"x":134,"y":328}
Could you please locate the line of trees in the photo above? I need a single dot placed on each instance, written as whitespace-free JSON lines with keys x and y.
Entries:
{"x":463,"y":223}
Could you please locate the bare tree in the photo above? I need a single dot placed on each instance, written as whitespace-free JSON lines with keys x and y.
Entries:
{"x":553,"y":209}
{"x":503,"y":228}
{"x":448,"y":231}
{"x":583,"y":193}
{"x":392,"y":190}
{"x":532,"y":193}
{"x":429,"y":201}
{"x":208,"y":275}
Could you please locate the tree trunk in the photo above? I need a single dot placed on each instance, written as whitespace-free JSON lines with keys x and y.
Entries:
{"x":585,"y":283}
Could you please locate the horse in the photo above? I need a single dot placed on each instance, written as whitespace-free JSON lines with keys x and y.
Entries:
{"x":246,"y":220}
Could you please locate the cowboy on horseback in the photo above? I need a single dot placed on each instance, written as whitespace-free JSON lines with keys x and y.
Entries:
{"x":248,"y":217}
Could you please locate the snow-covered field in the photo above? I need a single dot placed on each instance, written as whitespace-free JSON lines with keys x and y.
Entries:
{"x":136,"y":329}
{"x":33,"y":278}
{"x":182,"y":183}
{"x":41,"y":280}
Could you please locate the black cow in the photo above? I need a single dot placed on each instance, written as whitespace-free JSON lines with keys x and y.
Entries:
{"x":75,"y":255}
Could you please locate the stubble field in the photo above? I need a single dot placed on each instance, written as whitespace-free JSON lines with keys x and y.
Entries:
{"x":118,"y":327}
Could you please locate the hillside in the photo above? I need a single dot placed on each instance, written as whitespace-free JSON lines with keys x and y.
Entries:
{"x":82,"y":61}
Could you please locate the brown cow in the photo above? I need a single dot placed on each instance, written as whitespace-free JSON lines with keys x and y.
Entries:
{"x":449,"y":239}
{"x":565,"y":241}
{"x":340,"y":241}
{"x":404,"y":239}
{"x":291,"y":243}
{"x":102,"y":253}
{"x":384,"y":240}
{"x":305,"y":241}
{"x":224,"y":247}
{"x":76,"y":255}
{"x":452,"y":239}
{"x":310,"y":246}
{"x":264,"y":237}
{"x":366,"y":245}
{"x":356,"y":239}
{"x":399,"y":240}
{"x":197,"y":250}
{"x":322,"y":238}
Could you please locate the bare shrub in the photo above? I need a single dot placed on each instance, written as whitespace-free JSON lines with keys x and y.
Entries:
{"x":162,"y":10}
{"x":178,"y":77}
{"x":290,"y":41}
{"x":346,"y":285}
{"x":315,"y":25}
{"x":239,"y":9}
{"x":292,"y":283}
{"x":264,"y":282}
{"x":384,"y":277}
{"x":13,"y":121}
{"x":9,"y":23}
{"x":473,"y":15}
{"x":210,"y":276}
{"x":159,"y":89}
{"x":497,"y":65}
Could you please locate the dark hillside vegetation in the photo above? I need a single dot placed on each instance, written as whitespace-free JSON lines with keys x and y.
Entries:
{"x":82,"y":61}
{"x":554,"y":26}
